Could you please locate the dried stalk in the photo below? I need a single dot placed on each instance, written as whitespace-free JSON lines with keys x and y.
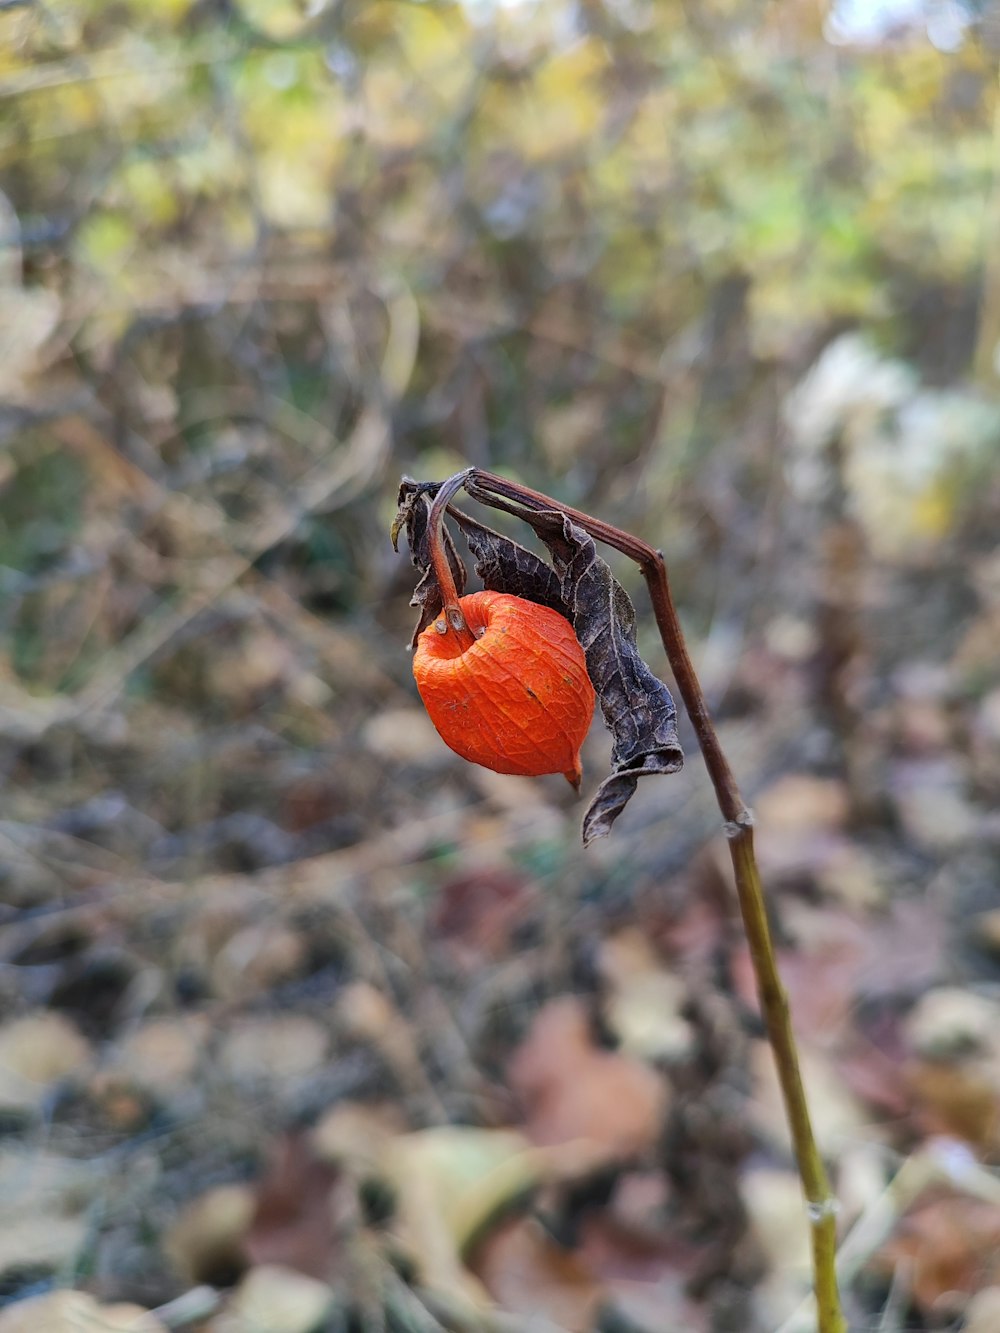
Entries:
{"x":821,"y":1203}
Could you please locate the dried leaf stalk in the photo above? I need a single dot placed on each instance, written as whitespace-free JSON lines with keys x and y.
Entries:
{"x":640,"y":715}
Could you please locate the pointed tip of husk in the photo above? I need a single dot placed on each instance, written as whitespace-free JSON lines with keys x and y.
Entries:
{"x":574,"y":777}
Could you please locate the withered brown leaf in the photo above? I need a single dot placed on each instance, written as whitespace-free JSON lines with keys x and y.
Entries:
{"x":637,"y":707}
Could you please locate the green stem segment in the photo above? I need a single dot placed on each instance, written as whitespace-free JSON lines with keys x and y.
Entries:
{"x":822,"y":1205}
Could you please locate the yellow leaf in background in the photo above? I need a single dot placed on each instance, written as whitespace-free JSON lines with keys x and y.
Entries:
{"x":38,"y":32}
{"x":63,"y":111}
{"x":104,"y":239}
{"x":933,"y":511}
{"x":151,"y":191}
{"x":370,"y":25}
{"x":650,"y":134}
{"x":436,"y":46}
{"x":298,"y":138}
{"x":238,"y":226}
{"x":558,"y":110}
{"x":393,"y":115}
{"x":296,"y":188}
{"x":292,"y":195}
{"x":569,"y":95}
{"x":171,"y":10}
{"x":211,"y":167}
{"x":149,"y":11}
{"x":290,"y":101}
{"x":785,"y":301}
{"x":279,"y":19}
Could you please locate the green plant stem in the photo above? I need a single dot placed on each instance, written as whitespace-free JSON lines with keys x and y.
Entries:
{"x":821,"y":1204}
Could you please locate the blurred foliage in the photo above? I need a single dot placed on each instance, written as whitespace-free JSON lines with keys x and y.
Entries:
{"x":726,"y":273}
{"x":257,"y":258}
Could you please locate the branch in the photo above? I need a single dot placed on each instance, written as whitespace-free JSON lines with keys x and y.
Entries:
{"x":738,"y":823}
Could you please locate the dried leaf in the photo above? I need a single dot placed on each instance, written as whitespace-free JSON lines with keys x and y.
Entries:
{"x":572,"y":1089}
{"x":505,"y":565}
{"x":644,"y":1001}
{"x":773,"y":1200}
{"x":206,"y":1243}
{"x":452,"y":1183}
{"x":982,"y":1314}
{"x":274,"y":1297}
{"x":950,"y":1247}
{"x":637,"y":707}
{"x":35,"y":1052}
{"x":527,"y":1273}
{"x":959,"y":1099}
{"x":75,"y":1312}
{"x":477,"y":912}
{"x":293,"y":1223}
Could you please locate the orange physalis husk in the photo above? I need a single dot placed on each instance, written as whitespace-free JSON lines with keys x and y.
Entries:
{"x":518,"y":699}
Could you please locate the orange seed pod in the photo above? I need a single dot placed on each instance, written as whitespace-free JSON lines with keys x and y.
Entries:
{"x":518,"y":699}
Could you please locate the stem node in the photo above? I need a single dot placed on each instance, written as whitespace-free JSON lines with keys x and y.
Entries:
{"x":735,"y":828}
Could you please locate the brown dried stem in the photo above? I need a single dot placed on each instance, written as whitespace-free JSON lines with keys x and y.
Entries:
{"x":822,"y":1206}
{"x":451,"y":619}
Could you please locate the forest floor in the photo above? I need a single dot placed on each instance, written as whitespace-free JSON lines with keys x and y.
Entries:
{"x":375,"y":1043}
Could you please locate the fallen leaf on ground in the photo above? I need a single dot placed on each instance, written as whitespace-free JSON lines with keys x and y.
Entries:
{"x":272,"y":1299}
{"x":819,"y":972}
{"x":959,"y":1098}
{"x":953,"y":1072}
{"x":950,"y":1247}
{"x":75,"y":1312}
{"x":356,"y":1136}
{"x":207,"y":1241}
{"x":642,"y":1259}
{"x":931,"y":801}
{"x":800,"y":801}
{"x":256,"y":958}
{"x":527,"y":1273}
{"x":570,"y":1088}
{"x":873,"y":1076}
{"x":293,"y":1223}
{"x":271,"y":1049}
{"x":643,"y":1001}
{"x":951,"y":1022}
{"x":450,"y":1184}
{"x":404,"y":736}
{"x":838,"y":958}
{"x":35,"y":1052}
{"x":43,"y":1240}
{"x":982,"y":1315}
{"x":777,"y":1212}
{"x":476,"y":912}
{"x":43,"y":1202}
{"x":161,"y":1055}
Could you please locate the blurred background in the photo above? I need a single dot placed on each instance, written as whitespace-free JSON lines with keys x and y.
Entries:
{"x":304,"y":1023}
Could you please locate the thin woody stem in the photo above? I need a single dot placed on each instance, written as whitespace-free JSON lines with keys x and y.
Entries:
{"x":822,"y":1205}
{"x":451,"y":613}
